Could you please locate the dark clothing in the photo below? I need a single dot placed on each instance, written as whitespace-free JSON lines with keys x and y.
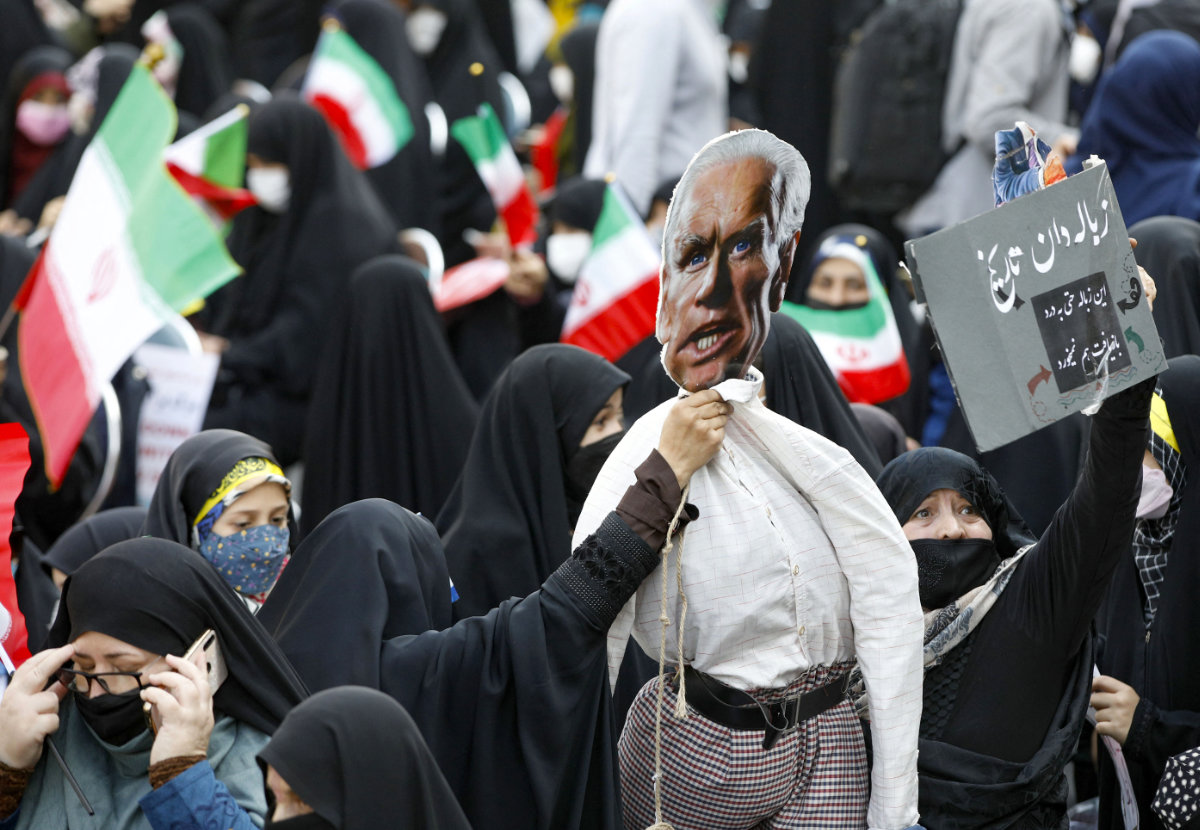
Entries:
{"x":356,"y":757}
{"x":270,"y":35}
{"x":20,"y":158}
{"x":507,"y":522}
{"x":297,"y":265}
{"x":407,"y":183}
{"x":206,"y":72}
{"x":578,"y":47}
{"x":1143,"y":123}
{"x":23,"y":30}
{"x":160,"y":596}
{"x":483,"y":691}
{"x":1169,"y":249}
{"x":87,"y":538}
{"x":383,"y":560}
{"x":1159,"y":658}
{"x":980,"y":699}
{"x":390,"y":415}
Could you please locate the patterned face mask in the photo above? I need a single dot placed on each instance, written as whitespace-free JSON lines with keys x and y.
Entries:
{"x":249,"y":560}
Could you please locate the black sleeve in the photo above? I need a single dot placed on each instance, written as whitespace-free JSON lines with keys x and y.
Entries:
{"x":1156,"y":734}
{"x":1066,"y":574}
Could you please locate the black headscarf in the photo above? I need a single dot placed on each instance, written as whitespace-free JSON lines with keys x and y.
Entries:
{"x":87,"y":538}
{"x":798,"y":383}
{"x":207,"y":69}
{"x":23,"y":30}
{"x":578,"y":48}
{"x":159,"y":596}
{"x":297,"y":263}
{"x":192,"y":474}
{"x":408,"y":183}
{"x":390,"y":415}
{"x":35,"y":62}
{"x":907,"y":480}
{"x":54,"y":177}
{"x":382,"y":559}
{"x":577,"y":202}
{"x":463,"y":201}
{"x":270,"y":35}
{"x":357,"y":758}
{"x":506,"y":524}
{"x":884,"y":431}
{"x":1169,"y":249}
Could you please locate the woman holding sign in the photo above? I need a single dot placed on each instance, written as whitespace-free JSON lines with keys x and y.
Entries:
{"x":1008,"y":652}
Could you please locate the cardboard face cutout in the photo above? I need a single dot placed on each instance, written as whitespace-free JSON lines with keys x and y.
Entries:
{"x":731,"y":234}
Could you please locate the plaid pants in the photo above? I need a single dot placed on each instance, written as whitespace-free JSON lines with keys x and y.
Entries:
{"x":716,"y":778}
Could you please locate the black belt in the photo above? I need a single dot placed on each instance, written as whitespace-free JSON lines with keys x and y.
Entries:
{"x":736,"y":709}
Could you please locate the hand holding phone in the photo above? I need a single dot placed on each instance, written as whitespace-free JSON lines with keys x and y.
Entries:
{"x":180,"y":701}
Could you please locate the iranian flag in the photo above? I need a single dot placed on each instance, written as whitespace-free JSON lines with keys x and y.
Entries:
{"x":14,"y":461}
{"x":616,"y":294}
{"x":210,"y":164}
{"x":130,"y":249}
{"x":482,"y":136}
{"x":357,"y":98}
{"x":862,"y":345}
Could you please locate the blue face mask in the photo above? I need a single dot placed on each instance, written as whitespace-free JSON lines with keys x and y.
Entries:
{"x":250,"y":560}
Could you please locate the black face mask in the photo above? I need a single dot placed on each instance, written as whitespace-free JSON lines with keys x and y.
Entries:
{"x":582,"y":470}
{"x":818,"y":305}
{"x":116,"y":719}
{"x":308,"y":821}
{"x":948,"y":568}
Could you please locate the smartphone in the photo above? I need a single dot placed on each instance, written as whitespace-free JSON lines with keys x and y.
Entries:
{"x":217,"y":671}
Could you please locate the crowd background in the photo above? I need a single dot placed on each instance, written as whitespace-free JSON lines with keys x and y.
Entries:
{"x":352,"y":387}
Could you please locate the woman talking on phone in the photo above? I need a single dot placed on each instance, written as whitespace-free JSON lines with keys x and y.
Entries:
{"x":111,"y":727}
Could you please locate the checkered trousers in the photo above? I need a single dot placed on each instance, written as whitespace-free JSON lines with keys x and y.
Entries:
{"x":716,"y":778}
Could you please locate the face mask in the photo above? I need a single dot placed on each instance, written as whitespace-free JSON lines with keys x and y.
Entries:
{"x":562,"y":82}
{"x":43,"y":124}
{"x":116,"y":719}
{"x":249,"y":560}
{"x":425,"y":26}
{"x":1084,"y":62}
{"x":948,"y":568}
{"x":583,"y":468}
{"x":1156,"y":494}
{"x":271,"y":186}
{"x":739,"y":67}
{"x":308,"y":821}
{"x":565,"y":253}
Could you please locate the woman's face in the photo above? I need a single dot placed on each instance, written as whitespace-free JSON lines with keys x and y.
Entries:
{"x":839,"y":282}
{"x":608,"y":421}
{"x":98,"y":653}
{"x":946,"y":514}
{"x":287,"y":803}
{"x":265,"y":504}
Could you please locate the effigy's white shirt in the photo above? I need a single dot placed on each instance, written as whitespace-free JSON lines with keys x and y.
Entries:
{"x":795,"y":561}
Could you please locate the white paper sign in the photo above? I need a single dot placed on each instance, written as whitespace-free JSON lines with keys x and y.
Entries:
{"x":180,"y":386}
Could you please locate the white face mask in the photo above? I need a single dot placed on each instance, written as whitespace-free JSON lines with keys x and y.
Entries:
{"x":562,"y":82}
{"x":739,"y":67}
{"x":425,"y":26}
{"x":1085,"y":59}
{"x":271,"y":186}
{"x":1156,"y":494}
{"x":565,"y":253}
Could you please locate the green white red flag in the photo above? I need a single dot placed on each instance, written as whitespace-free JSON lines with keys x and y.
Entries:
{"x":616,"y":294}
{"x":483,"y":137}
{"x":357,"y":98}
{"x":129,"y":250}
{"x":210,"y":164}
{"x":14,"y":462}
{"x":862,"y":346}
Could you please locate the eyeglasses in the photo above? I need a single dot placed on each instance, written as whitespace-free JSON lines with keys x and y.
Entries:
{"x":81,"y":681}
